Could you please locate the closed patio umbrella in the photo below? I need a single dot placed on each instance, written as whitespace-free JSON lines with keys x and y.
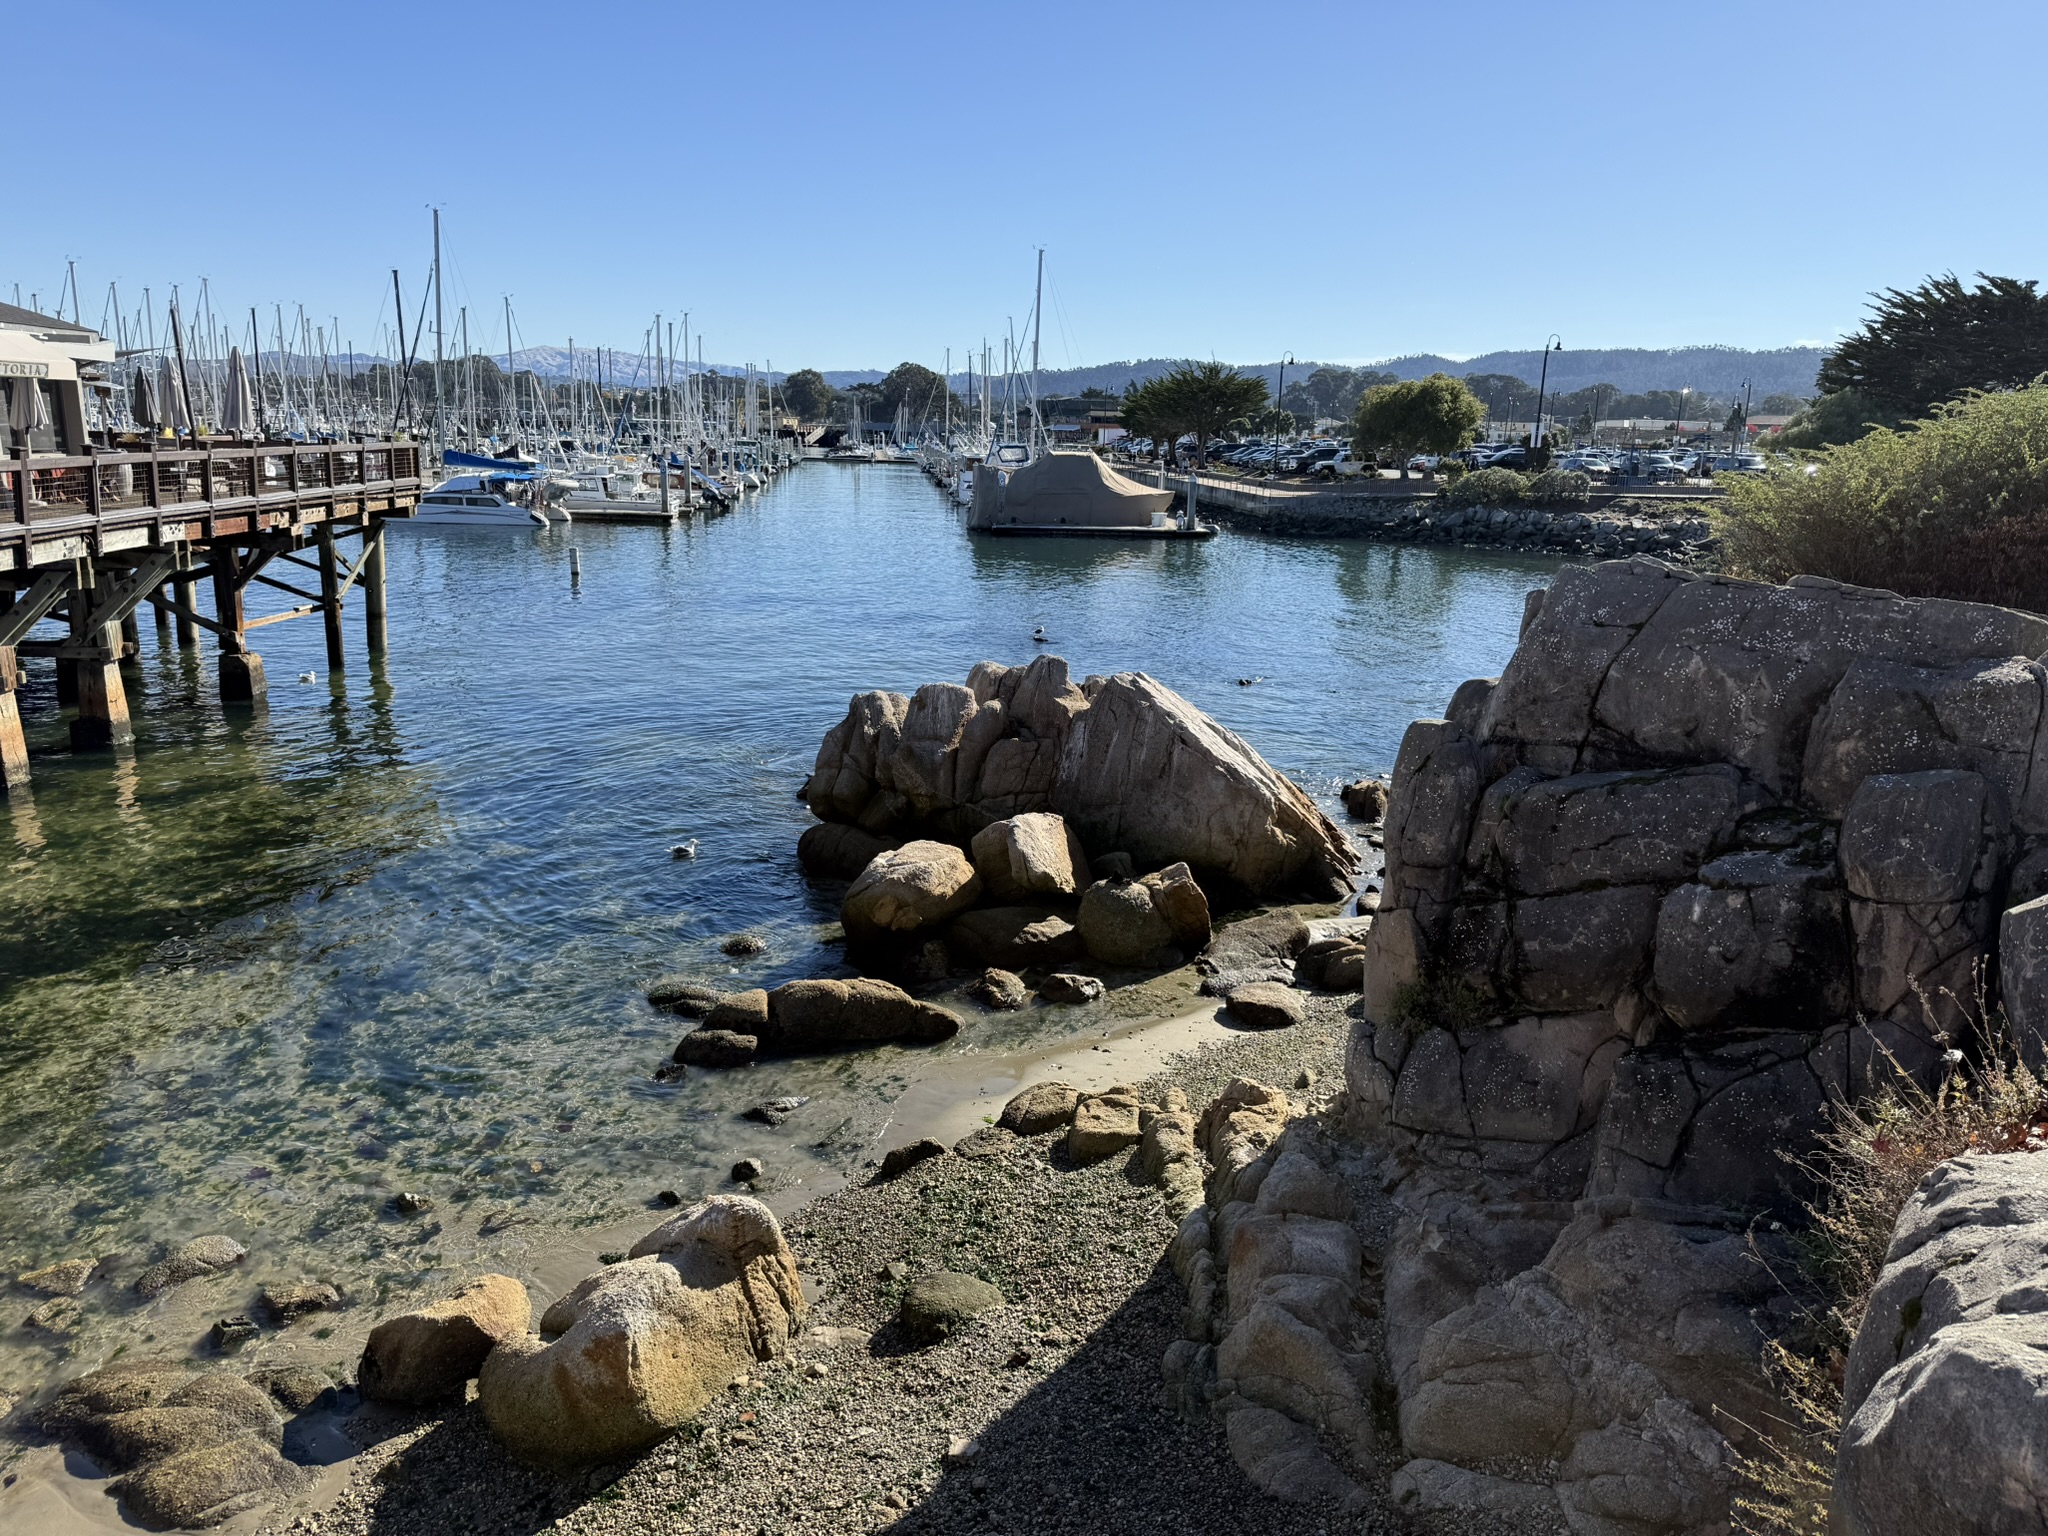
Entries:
{"x":176,"y":417}
{"x":142,"y":402}
{"x":237,"y":413}
{"x":27,"y":412}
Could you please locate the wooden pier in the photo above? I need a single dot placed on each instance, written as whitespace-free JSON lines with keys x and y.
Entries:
{"x":90,"y":539}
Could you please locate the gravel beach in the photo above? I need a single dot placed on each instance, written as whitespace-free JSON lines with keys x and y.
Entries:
{"x":1041,"y":1416}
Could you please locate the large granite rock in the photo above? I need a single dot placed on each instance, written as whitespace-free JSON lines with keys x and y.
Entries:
{"x":429,"y":1355}
{"x":1708,"y":857}
{"x":824,"y":1015}
{"x":638,"y":1349}
{"x":1017,"y":938}
{"x":1130,"y":765}
{"x":1943,"y":1394}
{"x":905,"y":889}
{"x":1033,"y":857}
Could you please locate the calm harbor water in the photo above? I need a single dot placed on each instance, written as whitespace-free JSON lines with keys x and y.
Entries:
{"x":389,"y":934}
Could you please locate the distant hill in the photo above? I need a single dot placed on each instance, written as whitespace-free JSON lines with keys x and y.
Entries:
{"x":1717,"y":371}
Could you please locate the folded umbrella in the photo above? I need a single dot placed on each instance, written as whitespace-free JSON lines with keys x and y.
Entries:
{"x":176,"y":417}
{"x":27,"y":411}
{"x":237,"y":411}
{"x":142,"y":402}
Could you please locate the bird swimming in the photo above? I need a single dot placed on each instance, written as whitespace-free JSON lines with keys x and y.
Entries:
{"x":686,"y":850}
{"x":1040,"y":637}
{"x":1246,"y":682}
{"x":307,"y":677}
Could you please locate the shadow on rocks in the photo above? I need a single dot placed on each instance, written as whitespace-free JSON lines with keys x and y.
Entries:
{"x":455,"y":1478}
{"x":1091,"y":1448}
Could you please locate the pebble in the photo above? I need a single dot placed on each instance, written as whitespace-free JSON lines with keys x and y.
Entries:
{"x":896,"y":1270}
{"x":411,"y":1203}
{"x":775,"y":1111}
{"x":960,"y":1450}
{"x":669,"y":1197}
{"x":817,"y":1370}
{"x":233,"y":1332}
{"x":748,"y":1169}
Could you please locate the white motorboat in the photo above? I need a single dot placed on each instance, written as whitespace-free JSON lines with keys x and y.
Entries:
{"x":482,"y":501}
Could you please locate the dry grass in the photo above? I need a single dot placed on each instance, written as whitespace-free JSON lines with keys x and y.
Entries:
{"x":1871,"y":1159}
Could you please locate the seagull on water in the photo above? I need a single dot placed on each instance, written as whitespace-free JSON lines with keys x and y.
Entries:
{"x":686,"y":850}
{"x":307,"y":677}
{"x":1040,"y":637}
{"x":1246,"y":682}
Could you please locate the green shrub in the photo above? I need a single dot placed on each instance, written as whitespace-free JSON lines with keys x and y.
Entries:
{"x":1439,"y":1002}
{"x":1954,"y":506}
{"x":1451,"y":470}
{"x":1555,"y":487}
{"x":1487,"y":488}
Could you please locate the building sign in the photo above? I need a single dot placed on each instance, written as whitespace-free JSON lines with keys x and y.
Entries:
{"x":23,"y":370}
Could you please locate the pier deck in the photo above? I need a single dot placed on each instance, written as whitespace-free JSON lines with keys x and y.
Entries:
{"x":89,"y":539}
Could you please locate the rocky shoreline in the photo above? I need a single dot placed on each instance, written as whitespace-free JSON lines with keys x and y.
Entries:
{"x":1677,"y":531}
{"x":1043,"y":1415}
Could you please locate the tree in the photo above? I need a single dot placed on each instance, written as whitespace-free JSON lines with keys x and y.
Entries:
{"x":1207,"y":399}
{"x":1433,"y":415}
{"x":807,"y":393}
{"x":1932,"y":343}
{"x":1332,"y":392}
{"x":914,"y":385}
{"x":1149,"y":412}
{"x":1781,"y":404}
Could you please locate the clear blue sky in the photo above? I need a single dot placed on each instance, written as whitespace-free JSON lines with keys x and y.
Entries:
{"x":847,"y":185}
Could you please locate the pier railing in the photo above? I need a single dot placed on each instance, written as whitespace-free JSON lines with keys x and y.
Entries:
{"x":136,"y":490}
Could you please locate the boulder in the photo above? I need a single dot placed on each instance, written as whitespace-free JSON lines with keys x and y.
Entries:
{"x":1104,"y":1124}
{"x":1762,"y":940}
{"x":716,"y":1048}
{"x":1033,"y":857}
{"x":1177,"y":898}
{"x":1002,"y":990}
{"x":1947,"y":1370}
{"x":833,"y":850}
{"x":1267,"y":1005}
{"x":66,"y":1278}
{"x":1365,"y":799}
{"x":905,"y":889}
{"x":1432,"y":1487}
{"x":1146,"y":772}
{"x":643,"y":1345}
{"x":1065,"y":987}
{"x":1040,"y":1108}
{"x":201,"y":1256}
{"x":428,"y":1355}
{"x":827,"y":1015}
{"x":940,"y":1304}
{"x":1020,"y":938}
{"x":209,"y":1484}
{"x":1120,"y":925}
{"x":1128,"y":764}
{"x":683,"y":996}
{"x":900,"y":1160}
{"x":287,"y":1303}
{"x":1589,"y":831}
{"x":740,"y":1013}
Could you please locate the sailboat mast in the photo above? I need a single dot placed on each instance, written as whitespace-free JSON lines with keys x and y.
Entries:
{"x":1037,"y":308}
{"x":440,"y":418}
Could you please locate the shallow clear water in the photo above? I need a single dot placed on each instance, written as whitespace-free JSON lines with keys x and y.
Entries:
{"x":391,"y":932}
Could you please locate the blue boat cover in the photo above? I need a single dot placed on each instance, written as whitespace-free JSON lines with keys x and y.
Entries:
{"x":456,"y":460}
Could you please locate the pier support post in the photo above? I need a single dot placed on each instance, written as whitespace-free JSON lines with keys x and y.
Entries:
{"x":241,"y":669}
{"x":67,"y":680}
{"x":372,"y":583}
{"x":102,"y":720}
{"x":13,"y":743}
{"x":330,"y":598}
{"x":184,"y":590}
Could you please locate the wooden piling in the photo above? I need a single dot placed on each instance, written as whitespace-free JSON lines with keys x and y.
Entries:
{"x":13,"y":743}
{"x":330,"y":597}
{"x":102,"y":720}
{"x":241,"y":669}
{"x":185,"y":592}
{"x":372,"y":583}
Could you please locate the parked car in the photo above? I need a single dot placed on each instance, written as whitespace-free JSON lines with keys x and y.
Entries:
{"x":1309,"y":460}
{"x":1426,"y":462}
{"x":1516,"y":457}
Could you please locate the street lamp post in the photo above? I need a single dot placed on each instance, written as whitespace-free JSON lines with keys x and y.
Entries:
{"x":1274,"y":468}
{"x":1550,"y":346}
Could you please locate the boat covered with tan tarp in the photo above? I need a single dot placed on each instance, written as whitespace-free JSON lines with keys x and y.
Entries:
{"x":1064,"y":491}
